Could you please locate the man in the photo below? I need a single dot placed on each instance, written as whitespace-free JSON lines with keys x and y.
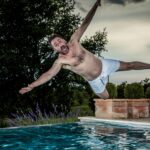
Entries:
{"x":76,"y":58}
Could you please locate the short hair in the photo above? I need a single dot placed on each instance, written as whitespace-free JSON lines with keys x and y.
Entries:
{"x":53,"y":37}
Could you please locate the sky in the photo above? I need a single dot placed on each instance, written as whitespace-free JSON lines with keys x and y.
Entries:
{"x":127,"y":23}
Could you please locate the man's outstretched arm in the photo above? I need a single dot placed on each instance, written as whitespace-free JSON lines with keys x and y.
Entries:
{"x":79,"y":32}
{"x":43,"y":78}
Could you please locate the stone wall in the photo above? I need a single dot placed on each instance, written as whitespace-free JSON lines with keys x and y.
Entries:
{"x":122,"y":108}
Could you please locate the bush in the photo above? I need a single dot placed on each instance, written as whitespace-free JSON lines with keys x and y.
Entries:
{"x":120,"y":90}
{"x":82,"y":110}
{"x":134,"y":90}
{"x":147,"y":93}
{"x":112,"y":89}
{"x":3,"y":122}
{"x":36,"y":117}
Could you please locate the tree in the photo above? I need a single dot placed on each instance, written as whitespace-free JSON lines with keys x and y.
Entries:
{"x":25,"y":53}
{"x":24,"y":26}
{"x":145,"y":83}
{"x":134,"y":90}
{"x":112,"y":90}
{"x":120,"y":89}
{"x":96,"y":43}
{"x":147,"y":93}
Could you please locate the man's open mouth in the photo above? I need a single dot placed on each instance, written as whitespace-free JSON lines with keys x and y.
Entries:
{"x":63,"y":47}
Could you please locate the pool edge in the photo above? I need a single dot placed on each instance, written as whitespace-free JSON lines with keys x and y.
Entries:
{"x":129,"y":123}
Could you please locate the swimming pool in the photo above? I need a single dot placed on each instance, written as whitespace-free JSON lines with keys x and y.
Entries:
{"x":76,"y":136}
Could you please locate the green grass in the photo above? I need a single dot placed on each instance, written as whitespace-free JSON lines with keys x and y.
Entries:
{"x":39,"y":118}
{"x":26,"y":122}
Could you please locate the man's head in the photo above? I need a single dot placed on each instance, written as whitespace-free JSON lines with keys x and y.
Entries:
{"x":58,"y":44}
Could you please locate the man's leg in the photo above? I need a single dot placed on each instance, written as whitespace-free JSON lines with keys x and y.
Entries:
{"x":135,"y":65}
{"x":103,"y":95}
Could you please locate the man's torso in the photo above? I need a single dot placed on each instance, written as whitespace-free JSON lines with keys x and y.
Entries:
{"x":81,"y":61}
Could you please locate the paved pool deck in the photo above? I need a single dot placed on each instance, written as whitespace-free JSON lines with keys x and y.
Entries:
{"x":142,"y":122}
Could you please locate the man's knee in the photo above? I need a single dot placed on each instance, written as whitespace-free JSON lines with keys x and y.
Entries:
{"x":103,"y":95}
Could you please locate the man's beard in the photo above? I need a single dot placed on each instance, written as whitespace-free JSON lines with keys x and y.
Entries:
{"x":64,"y":49}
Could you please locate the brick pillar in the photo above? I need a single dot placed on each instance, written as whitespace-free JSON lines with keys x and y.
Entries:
{"x":103,"y":108}
{"x":122,"y":108}
{"x":138,"y":108}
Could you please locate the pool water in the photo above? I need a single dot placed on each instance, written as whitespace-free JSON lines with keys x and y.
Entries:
{"x":76,"y":136}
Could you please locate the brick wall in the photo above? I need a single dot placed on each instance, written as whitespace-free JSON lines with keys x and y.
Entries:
{"x":122,"y":108}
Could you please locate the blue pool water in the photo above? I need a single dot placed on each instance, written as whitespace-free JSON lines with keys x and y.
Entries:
{"x":76,"y":136}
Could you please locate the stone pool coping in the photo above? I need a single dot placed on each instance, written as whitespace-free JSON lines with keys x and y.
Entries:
{"x":138,"y":122}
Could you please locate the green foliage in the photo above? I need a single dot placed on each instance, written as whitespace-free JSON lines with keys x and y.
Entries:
{"x":27,"y":121}
{"x":96,"y":44}
{"x":112,"y":90}
{"x":41,"y":121}
{"x":83,"y":110}
{"x":79,"y":96}
{"x":25,"y":53}
{"x":36,"y":117}
{"x":147,"y":93}
{"x":134,"y":90}
{"x":24,"y":26}
{"x":145,"y":83}
{"x":120,"y":90}
{"x":3,"y":123}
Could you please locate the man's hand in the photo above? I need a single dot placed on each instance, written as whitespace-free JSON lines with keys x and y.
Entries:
{"x":44,"y":77}
{"x":99,"y":2}
{"x":25,"y":89}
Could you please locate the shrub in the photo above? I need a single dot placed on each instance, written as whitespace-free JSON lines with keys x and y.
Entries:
{"x":36,"y":117}
{"x":120,"y":89}
{"x":134,"y":90}
{"x":147,"y":93}
{"x":82,"y":110}
{"x":3,"y":122}
{"x":112,"y":89}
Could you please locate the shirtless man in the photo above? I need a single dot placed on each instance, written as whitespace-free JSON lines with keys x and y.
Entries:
{"x":76,"y":58}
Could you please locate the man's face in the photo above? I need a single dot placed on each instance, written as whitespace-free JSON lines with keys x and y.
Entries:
{"x":60,"y":45}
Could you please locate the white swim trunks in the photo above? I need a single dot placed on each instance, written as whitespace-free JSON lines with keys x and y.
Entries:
{"x":109,"y":66}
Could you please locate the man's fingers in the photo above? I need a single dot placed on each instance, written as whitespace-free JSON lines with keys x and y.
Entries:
{"x":22,"y":91}
{"x":25,"y":90}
